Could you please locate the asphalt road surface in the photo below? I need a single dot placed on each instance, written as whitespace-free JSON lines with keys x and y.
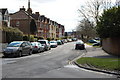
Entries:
{"x":50,"y":64}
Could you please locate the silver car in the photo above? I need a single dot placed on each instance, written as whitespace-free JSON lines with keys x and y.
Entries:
{"x":18,"y":48}
{"x":53,"y":44}
{"x":37,"y":47}
{"x":46,"y":44}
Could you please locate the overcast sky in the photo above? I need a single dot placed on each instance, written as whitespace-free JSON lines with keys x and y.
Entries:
{"x":62,"y":11}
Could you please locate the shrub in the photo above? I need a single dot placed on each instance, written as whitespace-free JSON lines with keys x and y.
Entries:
{"x":32,"y":38}
{"x":12,"y":34}
{"x":49,"y":39}
{"x":25,"y":38}
{"x":40,"y":37}
{"x":109,"y":24}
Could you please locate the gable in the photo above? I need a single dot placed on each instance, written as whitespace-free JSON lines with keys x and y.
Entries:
{"x":4,"y":11}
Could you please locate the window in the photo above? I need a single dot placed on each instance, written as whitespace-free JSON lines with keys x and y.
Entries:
{"x":17,"y":23}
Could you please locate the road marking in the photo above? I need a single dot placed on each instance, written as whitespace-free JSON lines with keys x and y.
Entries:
{"x":71,"y":66}
{"x":8,"y":62}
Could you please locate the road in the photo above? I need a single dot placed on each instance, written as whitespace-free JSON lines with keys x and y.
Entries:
{"x":50,"y":64}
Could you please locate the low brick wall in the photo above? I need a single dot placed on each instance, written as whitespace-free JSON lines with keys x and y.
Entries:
{"x":111,"y":45}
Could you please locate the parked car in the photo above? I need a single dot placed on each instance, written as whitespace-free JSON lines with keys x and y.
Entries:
{"x":97,"y":38}
{"x":18,"y":48}
{"x":96,"y":44}
{"x":62,"y":41}
{"x":46,"y":44}
{"x":74,"y":39}
{"x":37,"y":47}
{"x":79,"y":45}
{"x":53,"y":44}
{"x":69,"y":40}
{"x":59,"y":42}
{"x":65,"y":40}
{"x":92,"y":41}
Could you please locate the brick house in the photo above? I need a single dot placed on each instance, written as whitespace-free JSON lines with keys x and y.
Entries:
{"x":52,"y":30}
{"x":36,"y":16}
{"x":23,"y":21}
{"x":57,"y":30}
{"x":43,"y":26}
{"x":63,"y":30}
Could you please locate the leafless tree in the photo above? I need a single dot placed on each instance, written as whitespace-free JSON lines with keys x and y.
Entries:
{"x":90,"y":13}
{"x":86,"y":29}
{"x":93,"y":8}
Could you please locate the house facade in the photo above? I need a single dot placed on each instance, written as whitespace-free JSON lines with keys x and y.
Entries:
{"x":27,"y":21}
{"x":36,"y":17}
{"x":4,"y":17}
{"x":23,"y":21}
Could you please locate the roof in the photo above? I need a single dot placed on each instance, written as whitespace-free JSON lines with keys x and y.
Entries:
{"x":36,"y":17}
{"x":20,"y":15}
{"x":3,"y":10}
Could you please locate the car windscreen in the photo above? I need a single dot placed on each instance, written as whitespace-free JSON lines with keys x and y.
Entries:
{"x":79,"y":42}
{"x":33,"y":44}
{"x":42,"y":42}
{"x":14,"y":44}
{"x":52,"y":42}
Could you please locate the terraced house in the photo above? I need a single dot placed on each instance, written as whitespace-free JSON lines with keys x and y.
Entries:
{"x":36,"y":24}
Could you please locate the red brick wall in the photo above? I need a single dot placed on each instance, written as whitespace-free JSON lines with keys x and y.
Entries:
{"x":23,"y":25}
{"x":111,"y":45}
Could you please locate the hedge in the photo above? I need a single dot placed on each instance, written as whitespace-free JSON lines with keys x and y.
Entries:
{"x":32,"y":38}
{"x":12,"y":34}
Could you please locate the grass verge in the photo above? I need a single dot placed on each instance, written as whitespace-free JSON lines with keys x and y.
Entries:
{"x":111,"y":64}
{"x":91,"y":44}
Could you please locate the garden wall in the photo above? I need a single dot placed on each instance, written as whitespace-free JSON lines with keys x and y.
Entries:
{"x":111,"y":45}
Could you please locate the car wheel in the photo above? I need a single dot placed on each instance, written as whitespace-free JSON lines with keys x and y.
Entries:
{"x":20,"y":54}
{"x":39,"y":50}
{"x":46,"y":49}
{"x":30,"y":52}
{"x":5,"y":56}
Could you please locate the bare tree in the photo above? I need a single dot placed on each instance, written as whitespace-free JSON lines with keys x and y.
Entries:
{"x":93,"y":9}
{"x":86,"y":29}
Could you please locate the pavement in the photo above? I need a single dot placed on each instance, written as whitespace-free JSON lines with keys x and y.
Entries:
{"x":96,"y":52}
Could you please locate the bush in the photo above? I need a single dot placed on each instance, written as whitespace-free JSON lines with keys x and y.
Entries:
{"x":40,"y":38}
{"x":12,"y":34}
{"x":109,"y":24}
{"x":49,"y":39}
{"x":32,"y":38}
{"x":25,"y":38}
